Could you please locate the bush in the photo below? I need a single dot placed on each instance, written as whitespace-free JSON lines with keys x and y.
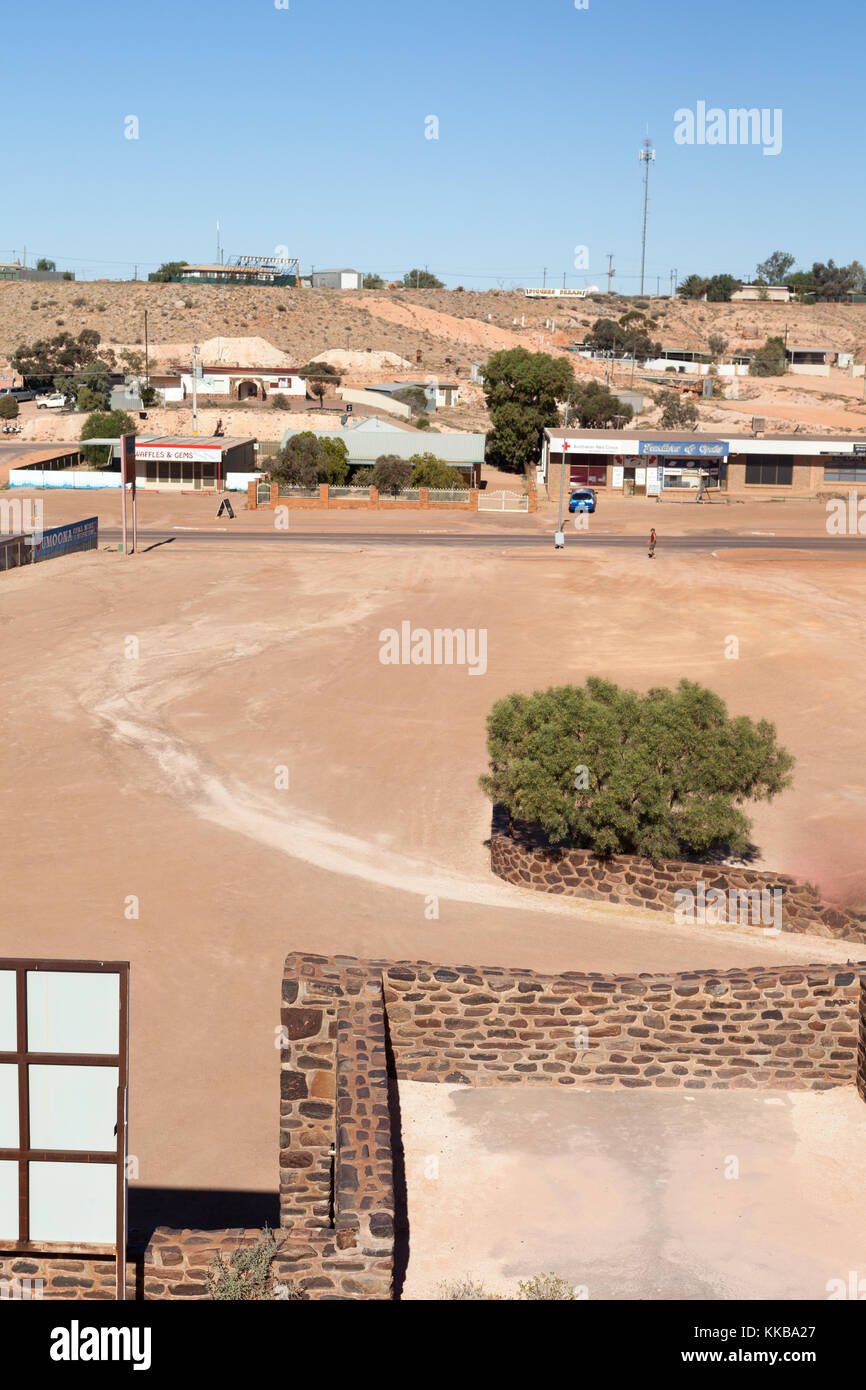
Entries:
{"x":279,"y":401}
{"x":769,"y":360}
{"x":422,"y":423}
{"x":246,"y":1275}
{"x":430,"y":471}
{"x":104,"y":424}
{"x":550,"y":1287}
{"x":8,"y":408}
{"x":362,"y":477}
{"x":677,"y":412}
{"x":661,"y":774}
{"x":391,"y":474}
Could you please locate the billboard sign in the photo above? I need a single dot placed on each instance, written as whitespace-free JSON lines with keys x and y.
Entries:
{"x":65,"y":540}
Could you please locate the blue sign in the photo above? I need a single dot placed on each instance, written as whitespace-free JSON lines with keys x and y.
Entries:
{"x":682,"y":448}
{"x":63,"y":540}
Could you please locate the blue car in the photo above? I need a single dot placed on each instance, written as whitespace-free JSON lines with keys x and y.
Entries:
{"x":582,"y":499}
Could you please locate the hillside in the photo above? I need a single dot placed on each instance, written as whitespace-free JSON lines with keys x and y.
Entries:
{"x":438,"y":324}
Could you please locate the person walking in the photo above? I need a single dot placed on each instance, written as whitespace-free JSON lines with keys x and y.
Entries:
{"x":652,"y":543}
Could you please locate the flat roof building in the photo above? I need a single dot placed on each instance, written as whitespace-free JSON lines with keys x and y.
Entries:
{"x":652,"y":462}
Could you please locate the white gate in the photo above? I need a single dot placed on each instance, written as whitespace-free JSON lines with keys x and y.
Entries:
{"x":503,"y":502}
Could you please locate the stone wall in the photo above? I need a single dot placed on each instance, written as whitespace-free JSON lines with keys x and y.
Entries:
{"x":523,"y":857}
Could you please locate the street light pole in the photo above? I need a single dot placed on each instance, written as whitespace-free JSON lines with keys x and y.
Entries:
{"x":559,"y":539}
{"x":194,"y":390}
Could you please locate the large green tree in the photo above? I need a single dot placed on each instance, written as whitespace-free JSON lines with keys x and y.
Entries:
{"x":677,"y":412}
{"x":596,"y":406}
{"x":693,"y":287}
{"x":523,"y":390}
{"x":662,"y":774}
{"x":774,"y":270}
{"x":720,"y":288}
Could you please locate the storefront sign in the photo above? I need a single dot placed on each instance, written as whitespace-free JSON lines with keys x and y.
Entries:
{"x":682,"y":448}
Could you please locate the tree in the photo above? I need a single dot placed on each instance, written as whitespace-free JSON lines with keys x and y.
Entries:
{"x":629,"y":336}
{"x":391,"y":473}
{"x":43,"y":264}
{"x":308,"y":460}
{"x":596,"y":406}
{"x":132,"y":361}
{"x":334,"y":467}
{"x":95,"y":379}
{"x":321,"y":377}
{"x":774,"y":269}
{"x":430,"y":471}
{"x":168,"y":271}
{"x":665,"y":772}
{"x":522,"y":390}
{"x":104,"y":424}
{"x":8,"y":408}
{"x":720,"y":288}
{"x":717,"y":343}
{"x":677,"y":412}
{"x":373,"y":282}
{"x":693,"y":287}
{"x":40,"y":362}
{"x":833,"y":281}
{"x":769,"y":360}
{"x":421,"y":280}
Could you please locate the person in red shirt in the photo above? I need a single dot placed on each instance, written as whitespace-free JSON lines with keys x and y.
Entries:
{"x":652,"y":542}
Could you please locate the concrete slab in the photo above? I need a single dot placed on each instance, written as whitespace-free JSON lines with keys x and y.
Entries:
{"x":714,"y":1195}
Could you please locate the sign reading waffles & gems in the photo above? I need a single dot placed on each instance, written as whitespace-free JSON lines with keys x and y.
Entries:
{"x":64,"y":540}
{"x":176,"y":453}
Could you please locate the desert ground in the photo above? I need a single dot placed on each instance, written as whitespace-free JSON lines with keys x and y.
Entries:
{"x":154,"y":705}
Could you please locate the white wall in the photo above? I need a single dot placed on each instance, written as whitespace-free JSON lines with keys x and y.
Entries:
{"x":377,"y":400}
{"x":61,"y":477}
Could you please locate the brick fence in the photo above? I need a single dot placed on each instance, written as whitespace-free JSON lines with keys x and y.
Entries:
{"x":522,"y":856}
{"x":373,"y":502}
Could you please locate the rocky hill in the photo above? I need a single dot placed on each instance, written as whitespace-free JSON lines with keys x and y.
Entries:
{"x":433,"y":329}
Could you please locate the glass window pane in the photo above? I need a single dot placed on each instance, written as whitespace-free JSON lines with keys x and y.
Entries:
{"x":8,"y":1106}
{"x":7,"y":1011}
{"x":74,"y":1202}
{"x":73,"y":1011}
{"x":73,"y":1107}
{"x":8,"y":1200}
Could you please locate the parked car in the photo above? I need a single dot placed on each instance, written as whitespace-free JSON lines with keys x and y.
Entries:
{"x":582,"y":499}
{"x":56,"y":401}
{"x":21,"y":393}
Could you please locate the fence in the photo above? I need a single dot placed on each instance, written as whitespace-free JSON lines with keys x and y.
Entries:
{"x":503,"y":502}
{"x":449,"y":494}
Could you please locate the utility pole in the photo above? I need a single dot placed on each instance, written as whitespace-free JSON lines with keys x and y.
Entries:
{"x":610,"y":270}
{"x":194,"y":388}
{"x":647,"y":155}
{"x":146,"y":357}
{"x":559,"y":539}
{"x":563,"y":279}
{"x":544,"y":281}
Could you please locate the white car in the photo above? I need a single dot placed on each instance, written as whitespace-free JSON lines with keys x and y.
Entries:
{"x":52,"y":402}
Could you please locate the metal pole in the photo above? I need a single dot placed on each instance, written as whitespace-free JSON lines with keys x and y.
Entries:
{"x":146,"y":354}
{"x":647,"y":154}
{"x":194,"y":390}
{"x":123,"y":502}
{"x":569,"y":399}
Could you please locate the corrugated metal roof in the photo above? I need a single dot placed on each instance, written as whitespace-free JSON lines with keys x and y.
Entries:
{"x":365,"y":447}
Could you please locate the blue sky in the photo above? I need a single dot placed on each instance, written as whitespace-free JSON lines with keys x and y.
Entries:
{"x":305,"y":128}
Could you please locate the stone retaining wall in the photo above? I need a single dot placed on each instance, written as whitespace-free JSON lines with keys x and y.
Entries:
{"x":522,"y":857}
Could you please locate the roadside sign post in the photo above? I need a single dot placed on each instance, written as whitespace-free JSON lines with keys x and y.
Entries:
{"x":127,"y":475}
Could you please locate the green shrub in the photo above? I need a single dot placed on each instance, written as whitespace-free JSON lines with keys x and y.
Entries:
{"x":246,"y":1274}
{"x":661,"y":775}
{"x":549,"y":1287}
{"x":279,"y":401}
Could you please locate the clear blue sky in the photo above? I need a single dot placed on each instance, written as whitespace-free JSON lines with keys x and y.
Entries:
{"x":305,"y":128}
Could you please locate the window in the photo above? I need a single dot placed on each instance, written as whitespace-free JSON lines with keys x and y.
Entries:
{"x":841,"y":471}
{"x":777,"y":472}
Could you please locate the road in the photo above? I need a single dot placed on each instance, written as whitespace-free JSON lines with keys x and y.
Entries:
{"x":229,"y":535}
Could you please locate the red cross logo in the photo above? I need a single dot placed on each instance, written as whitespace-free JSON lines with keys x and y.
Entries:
{"x":566,"y":446}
